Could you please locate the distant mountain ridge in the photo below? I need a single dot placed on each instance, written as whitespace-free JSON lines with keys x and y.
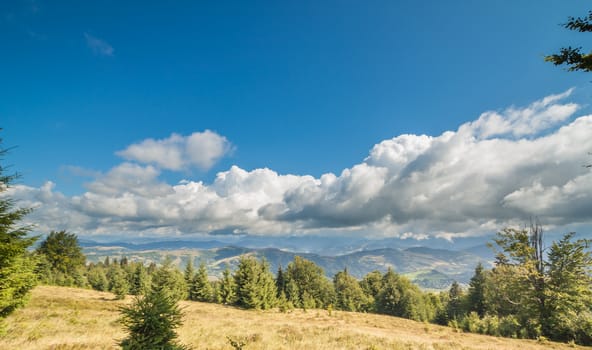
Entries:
{"x":428,"y":267}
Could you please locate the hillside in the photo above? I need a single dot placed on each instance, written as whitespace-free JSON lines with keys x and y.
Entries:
{"x":67,"y":318}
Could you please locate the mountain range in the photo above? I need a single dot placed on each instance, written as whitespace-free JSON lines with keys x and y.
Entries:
{"x":429,"y":268}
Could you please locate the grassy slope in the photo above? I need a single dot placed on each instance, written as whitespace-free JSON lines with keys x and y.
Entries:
{"x":67,"y":318}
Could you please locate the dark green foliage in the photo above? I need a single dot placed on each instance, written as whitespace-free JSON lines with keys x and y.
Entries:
{"x":573,"y":57}
{"x":189,"y":274}
{"x":455,"y":309}
{"x":476,"y":294}
{"x":372,"y":285}
{"x":532,"y":292}
{"x":399,"y":297}
{"x":140,"y":283}
{"x":151,"y":322}
{"x":226,"y":288}
{"x":169,"y":278}
{"x":255,"y":286}
{"x":62,"y":252}
{"x":280,"y":282}
{"x":17,"y":266}
{"x":118,"y":283}
{"x":349,"y":296}
{"x":97,"y":278}
{"x":568,"y":290}
{"x":306,"y":285}
{"x":201,"y":288}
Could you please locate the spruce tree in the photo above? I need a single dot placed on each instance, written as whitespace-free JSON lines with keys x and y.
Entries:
{"x":189,"y":274}
{"x":280,"y":282}
{"x":151,"y":322}
{"x":97,"y":278}
{"x":169,"y":278}
{"x":201,"y":288}
{"x":17,"y":266}
{"x":255,"y":286}
{"x":476,"y":294}
{"x":455,"y":302}
{"x":140,"y":280}
{"x":118,"y":283}
{"x":227,"y":288}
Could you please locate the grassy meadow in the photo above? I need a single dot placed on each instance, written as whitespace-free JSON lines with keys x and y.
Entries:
{"x":67,"y":318}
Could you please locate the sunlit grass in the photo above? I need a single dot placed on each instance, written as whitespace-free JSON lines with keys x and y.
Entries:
{"x":67,"y":318}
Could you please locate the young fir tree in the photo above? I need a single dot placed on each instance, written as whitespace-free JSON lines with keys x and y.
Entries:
{"x":169,"y":278}
{"x":140,"y":280}
{"x":201,"y":288}
{"x":280,"y":282}
{"x":188,"y":275}
{"x":97,"y":278}
{"x":227,"y":288}
{"x":17,"y":266}
{"x":118,"y":283}
{"x":151,"y":322}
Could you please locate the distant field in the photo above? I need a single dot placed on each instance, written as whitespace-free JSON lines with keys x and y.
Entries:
{"x":65,"y":318}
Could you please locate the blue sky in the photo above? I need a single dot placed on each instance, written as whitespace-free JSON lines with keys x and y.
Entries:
{"x":90,"y":91}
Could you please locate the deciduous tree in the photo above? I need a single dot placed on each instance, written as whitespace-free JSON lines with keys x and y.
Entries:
{"x":574,"y":58}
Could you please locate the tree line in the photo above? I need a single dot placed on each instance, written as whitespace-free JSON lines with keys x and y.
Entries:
{"x":531,"y":291}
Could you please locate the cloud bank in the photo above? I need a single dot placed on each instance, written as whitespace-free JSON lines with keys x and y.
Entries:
{"x":495,"y":171}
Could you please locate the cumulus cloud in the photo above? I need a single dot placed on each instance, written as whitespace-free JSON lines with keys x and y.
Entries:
{"x":537,"y":117}
{"x":98,"y":46}
{"x":200,"y":149}
{"x":487,"y":174}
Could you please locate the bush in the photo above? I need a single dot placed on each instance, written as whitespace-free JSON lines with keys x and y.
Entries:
{"x":509,"y":326}
{"x":490,"y":325}
{"x":471,"y":323}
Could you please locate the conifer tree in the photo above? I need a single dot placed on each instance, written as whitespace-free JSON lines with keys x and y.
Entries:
{"x":227,"y":288}
{"x":201,"y":288}
{"x":280,"y":282}
{"x":170,"y":279}
{"x":118,"y":283}
{"x":151,"y":322}
{"x":189,"y":274}
{"x":455,"y":302}
{"x":140,"y":280}
{"x":476,"y":293}
{"x":97,"y":278}
{"x":17,"y":266}
{"x":255,"y":286}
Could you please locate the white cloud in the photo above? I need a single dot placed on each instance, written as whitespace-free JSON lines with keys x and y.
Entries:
{"x":200,"y":149}
{"x":98,"y":46}
{"x":539,"y":116}
{"x":493,"y":172}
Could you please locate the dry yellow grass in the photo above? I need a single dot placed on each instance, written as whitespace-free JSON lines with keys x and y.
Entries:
{"x":67,"y":318}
